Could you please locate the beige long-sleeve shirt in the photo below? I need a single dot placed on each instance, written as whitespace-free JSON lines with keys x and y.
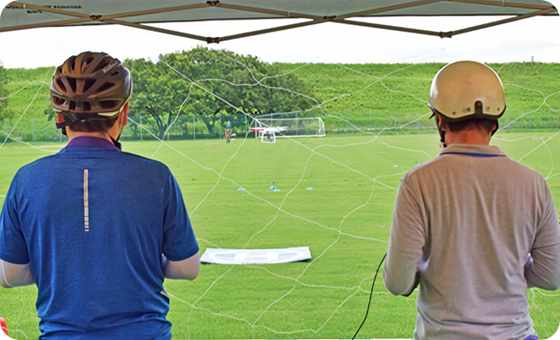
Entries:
{"x":479,"y":229}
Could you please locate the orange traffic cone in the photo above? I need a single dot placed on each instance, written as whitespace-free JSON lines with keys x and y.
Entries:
{"x":3,"y":325}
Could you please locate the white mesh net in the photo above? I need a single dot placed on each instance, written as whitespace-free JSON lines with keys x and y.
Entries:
{"x":334,"y":194}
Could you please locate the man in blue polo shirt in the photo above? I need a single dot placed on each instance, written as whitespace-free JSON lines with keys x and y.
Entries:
{"x":95,"y":228}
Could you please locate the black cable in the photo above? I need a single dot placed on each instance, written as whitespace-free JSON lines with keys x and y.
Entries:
{"x":370,"y":295}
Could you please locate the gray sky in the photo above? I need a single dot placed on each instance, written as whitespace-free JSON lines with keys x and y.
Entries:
{"x":532,"y":39}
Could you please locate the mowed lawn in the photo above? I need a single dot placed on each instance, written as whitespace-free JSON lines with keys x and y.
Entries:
{"x":336,"y":197}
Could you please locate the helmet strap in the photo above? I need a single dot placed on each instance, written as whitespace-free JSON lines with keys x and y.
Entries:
{"x":121,"y":120}
{"x":116,"y":142}
{"x":478,"y":111}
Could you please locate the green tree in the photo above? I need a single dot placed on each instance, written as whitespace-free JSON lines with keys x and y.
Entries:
{"x":149,"y":96}
{"x":4,"y":80}
{"x":208,"y":83}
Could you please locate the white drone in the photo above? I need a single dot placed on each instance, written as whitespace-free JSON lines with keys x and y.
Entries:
{"x":268,"y":134}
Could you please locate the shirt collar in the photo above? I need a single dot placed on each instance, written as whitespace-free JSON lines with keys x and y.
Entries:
{"x":473,"y":150}
{"x":91,"y":142}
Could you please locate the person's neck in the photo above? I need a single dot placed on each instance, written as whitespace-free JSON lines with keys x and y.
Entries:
{"x":98,"y":134}
{"x":469,"y":137}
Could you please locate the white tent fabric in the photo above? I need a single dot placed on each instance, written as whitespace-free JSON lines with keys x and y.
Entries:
{"x":140,"y":13}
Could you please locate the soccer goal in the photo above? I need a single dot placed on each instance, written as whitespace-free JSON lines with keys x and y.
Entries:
{"x":289,"y":127}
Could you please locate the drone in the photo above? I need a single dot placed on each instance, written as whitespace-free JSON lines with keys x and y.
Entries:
{"x":268,"y":134}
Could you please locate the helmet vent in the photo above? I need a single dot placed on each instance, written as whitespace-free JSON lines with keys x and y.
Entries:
{"x":72,"y":63}
{"x":72,"y":105}
{"x":109,"y":104}
{"x":87,"y":106}
{"x":88,"y":84}
{"x":106,"y":86}
{"x":88,"y":60}
{"x":478,"y":108}
{"x":72,"y":83}
{"x":60,"y":84}
{"x":58,"y":100}
{"x":102,"y":64}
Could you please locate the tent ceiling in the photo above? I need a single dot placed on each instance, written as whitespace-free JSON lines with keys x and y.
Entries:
{"x":138,"y":13}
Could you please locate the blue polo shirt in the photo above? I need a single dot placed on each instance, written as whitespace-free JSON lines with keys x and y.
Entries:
{"x":93,"y":221}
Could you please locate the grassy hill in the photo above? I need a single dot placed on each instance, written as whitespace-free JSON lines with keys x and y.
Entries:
{"x":369,"y":96}
{"x":401,"y":90}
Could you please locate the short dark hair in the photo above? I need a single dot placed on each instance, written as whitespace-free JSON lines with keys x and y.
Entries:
{"x":92,"y":125}
{"x":486,"y":124}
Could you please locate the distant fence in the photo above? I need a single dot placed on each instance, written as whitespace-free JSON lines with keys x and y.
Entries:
{"x":192,"y":127}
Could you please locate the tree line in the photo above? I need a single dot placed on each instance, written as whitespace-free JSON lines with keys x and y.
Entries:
{"x":4,"y":79}
{"x":211,"y":84}
{"x":203,"y":82}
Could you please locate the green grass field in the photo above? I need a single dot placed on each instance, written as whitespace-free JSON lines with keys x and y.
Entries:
{"x":345,"y":220}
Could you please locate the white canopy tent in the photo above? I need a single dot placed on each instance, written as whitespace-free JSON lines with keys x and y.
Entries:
{"x":140,"y":13}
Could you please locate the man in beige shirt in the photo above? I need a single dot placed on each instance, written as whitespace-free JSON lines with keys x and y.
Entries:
{"x":472,"y":227}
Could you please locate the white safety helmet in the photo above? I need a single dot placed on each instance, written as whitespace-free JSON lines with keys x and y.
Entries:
{"x":467,"y":89}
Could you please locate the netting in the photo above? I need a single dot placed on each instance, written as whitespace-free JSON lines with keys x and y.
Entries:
{"x":335,"y":194}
